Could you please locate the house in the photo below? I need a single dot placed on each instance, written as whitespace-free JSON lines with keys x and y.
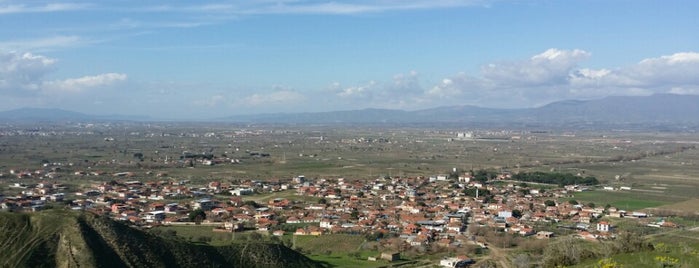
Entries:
{"x":603,"y":226}
{"x":390,"y":256}
{"x":204,"y":204}
{"x":544,"y":235}
{"x":293,"y":220}
{"x":242,"y":191}
{"x":453,"y":262}
{"x":325,"y":223}
{"x":154,"y":216}
{"x":300,"y":231}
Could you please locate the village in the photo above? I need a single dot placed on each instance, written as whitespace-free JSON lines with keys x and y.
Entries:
{"x":422,"y":212}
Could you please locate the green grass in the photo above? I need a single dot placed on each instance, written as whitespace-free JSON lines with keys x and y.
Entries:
{"x":618,"y":199}
{"x":344,"y":260}
{"x":194,"y":232}
{"x":334,"y":242}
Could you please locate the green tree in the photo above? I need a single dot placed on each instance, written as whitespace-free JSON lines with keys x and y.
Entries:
{"x":197,"y":216}
{"x":516,"y":213}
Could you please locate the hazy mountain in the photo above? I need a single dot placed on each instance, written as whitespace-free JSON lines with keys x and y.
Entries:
{"x":60,"y":238}
{"x":660,"y":108}
{"x":663,"y":109}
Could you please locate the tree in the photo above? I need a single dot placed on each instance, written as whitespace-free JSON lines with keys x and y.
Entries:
{"x":197,"y":216}
{"x":572,"y":202}
{"x":550,"y":203}
{"x":322,"y":201}
{"x":251,"y":203}
{"x":516,"y":213}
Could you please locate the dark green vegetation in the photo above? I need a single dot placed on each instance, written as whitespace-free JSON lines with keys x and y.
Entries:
{"x":57,"y":238}
{"x":561,"y":179}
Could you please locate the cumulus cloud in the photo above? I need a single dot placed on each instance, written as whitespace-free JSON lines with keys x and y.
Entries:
{"x":555,"y":74}
{"x":458,"y":86}
{"x":676,"y":69}
{"x":401,"y":91}
{"x":355,"y":92}
{"x":550,"y":67}
{"x":22,"y":71}
{"x":25,"y":73}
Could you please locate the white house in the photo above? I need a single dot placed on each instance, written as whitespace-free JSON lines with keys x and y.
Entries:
{"x":242,"y":191}
{"x":155,"y":216}
{"x":454,"y":262}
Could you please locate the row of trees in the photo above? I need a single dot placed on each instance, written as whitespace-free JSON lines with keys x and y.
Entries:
{"x":561,"y":179}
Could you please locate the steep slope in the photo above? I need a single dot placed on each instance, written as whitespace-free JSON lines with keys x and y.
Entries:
{"x":70,"y":239}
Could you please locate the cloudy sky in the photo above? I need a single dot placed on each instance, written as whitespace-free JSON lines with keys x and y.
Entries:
{"x":205,"y":59}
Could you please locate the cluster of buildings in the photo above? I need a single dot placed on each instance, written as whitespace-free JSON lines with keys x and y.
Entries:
{"x":421,"y":212}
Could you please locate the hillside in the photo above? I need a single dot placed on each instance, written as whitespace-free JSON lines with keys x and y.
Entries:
{"x":57,"y":238}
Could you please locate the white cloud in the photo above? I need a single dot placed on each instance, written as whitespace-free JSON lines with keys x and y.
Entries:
{"x":313,"y":7}
{"x":22,"y":71}
{"x":42,"y":44}
{"x":551,"y":66}
{"x":24,"y":74}
{"x":401,"y":92}
{"x":84,"y":83}
{"x":356,"y":92}
{"x":458,"y":86}
{"x":555,"y":74}
{"x":51,"y":7}
{"x":676,"y":69}
{"x":279,"y":97}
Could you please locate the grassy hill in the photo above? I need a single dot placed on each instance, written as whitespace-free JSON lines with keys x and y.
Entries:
{"x":57,"y":238}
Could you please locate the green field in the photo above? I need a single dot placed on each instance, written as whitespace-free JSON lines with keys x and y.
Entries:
{"x":619,"y":199}
{"x":197,"y":233}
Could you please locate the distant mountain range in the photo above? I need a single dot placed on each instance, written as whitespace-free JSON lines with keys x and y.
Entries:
{"x":659,"y":109}
{"x":655,"y":109}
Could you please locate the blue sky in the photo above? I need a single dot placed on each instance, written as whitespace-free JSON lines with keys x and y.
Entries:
{"x":205,"y":59}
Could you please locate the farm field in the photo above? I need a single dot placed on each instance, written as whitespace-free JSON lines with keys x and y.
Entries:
{"x":625,"y":200}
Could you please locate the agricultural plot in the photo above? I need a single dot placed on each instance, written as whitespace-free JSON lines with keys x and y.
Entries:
{"x":621,"y":200}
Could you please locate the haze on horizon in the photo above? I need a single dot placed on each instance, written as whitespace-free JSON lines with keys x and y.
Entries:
{"x":210,"y":59}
